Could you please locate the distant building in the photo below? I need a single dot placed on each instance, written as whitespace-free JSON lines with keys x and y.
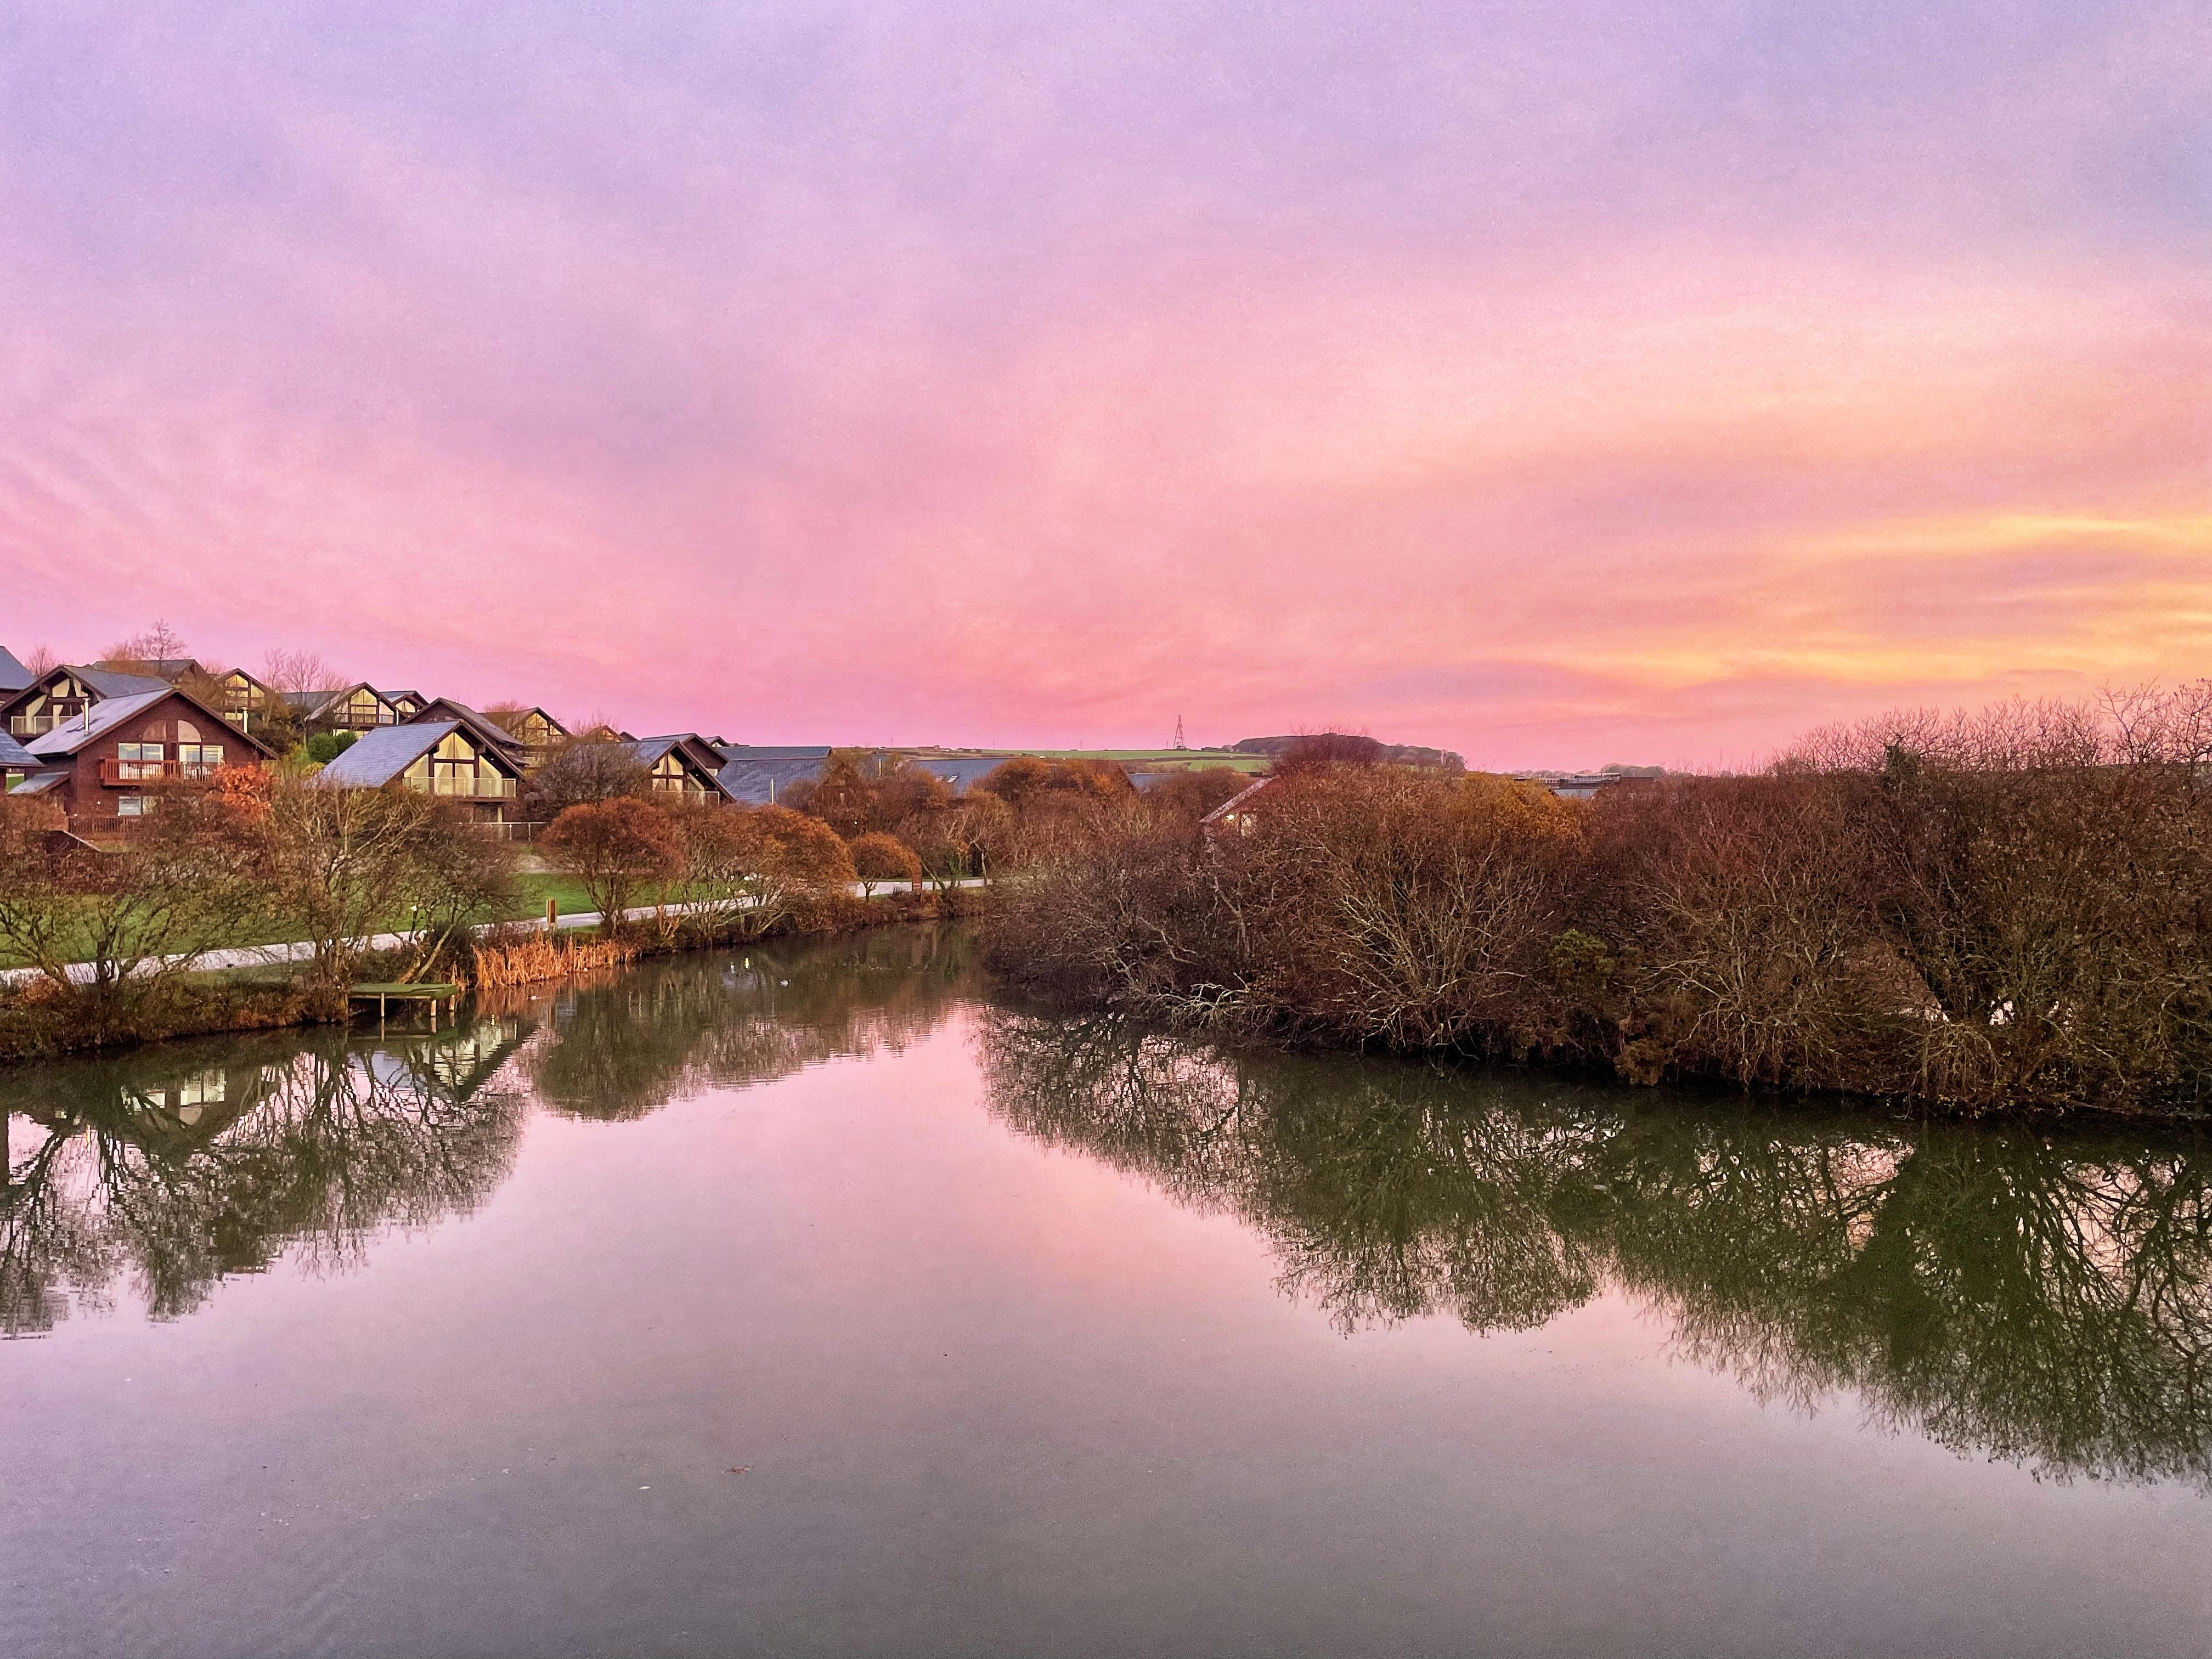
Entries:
{"x":540,"y":735}
{"x":1240,"y":814}
{"x":357,"y":707}
{"x":246,"y":700}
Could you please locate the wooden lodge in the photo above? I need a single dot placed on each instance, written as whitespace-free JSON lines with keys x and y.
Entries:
{"x":105,"y":767}
{"x":436,"y":757}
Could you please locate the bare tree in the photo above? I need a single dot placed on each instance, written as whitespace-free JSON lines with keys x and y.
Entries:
{"x":297,"y":670}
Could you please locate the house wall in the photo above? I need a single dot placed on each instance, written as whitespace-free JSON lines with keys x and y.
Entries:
{"x":95,"y":807}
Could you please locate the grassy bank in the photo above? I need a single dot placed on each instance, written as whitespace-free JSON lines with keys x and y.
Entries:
{"x":40,"y":1021}
{"x":526,"y":902}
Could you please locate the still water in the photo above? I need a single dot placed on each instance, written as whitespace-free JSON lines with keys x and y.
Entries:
{"x":807,"y":1302}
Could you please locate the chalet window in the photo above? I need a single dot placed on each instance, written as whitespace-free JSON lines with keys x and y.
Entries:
{"x":134,"y":806}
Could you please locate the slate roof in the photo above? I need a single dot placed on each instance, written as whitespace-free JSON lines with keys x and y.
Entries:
{"x":14,"y":756}
{"x":99,"y":718}
{"x":757,"y":776}
{"x":375,"y":758}
{"x":13,"y":676}
{"x":113,"y":682}
{"x":757,"y":782}
{"x":747,"y":752}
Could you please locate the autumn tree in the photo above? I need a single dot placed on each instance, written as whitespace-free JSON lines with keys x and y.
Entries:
{"x":111,"y":932}
{"x":614,"y":847}
{"x":878,"y":857}
{"x":340,"y":865}
{"x":797,"y":863}
{"x":1318,"y":751}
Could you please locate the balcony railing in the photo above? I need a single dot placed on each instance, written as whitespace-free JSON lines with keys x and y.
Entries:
{"x":465,"y":788}
{"x":118,"y":772}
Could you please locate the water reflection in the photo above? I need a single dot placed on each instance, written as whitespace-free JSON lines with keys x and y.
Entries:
{"x":181,"y":1167}
{"x":177,"y":1166}
{"x":626,"y":1044}
{"x":2042,"y":1298}
{"x":2045,"y":1299}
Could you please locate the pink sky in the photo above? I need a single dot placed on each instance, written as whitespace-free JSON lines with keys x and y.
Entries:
{"x":1560,"y":384}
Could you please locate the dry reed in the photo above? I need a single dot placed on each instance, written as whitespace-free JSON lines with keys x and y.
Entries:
{"x":539,"y":957}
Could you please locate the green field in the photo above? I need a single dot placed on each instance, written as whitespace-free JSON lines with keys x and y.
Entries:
{"x":529,"y":901}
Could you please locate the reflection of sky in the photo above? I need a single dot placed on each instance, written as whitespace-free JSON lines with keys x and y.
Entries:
{"x":1576,"y":382}
{"x":988,"y":1396}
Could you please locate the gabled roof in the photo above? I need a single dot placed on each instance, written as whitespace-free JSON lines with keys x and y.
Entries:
{"x":702,"y":755}
{"x":13,"y":676}
{"x":459,"y":714}
{"x":377,"y":757}
{"x":518,"y":715}
{"x":106,"y":715}
{"x":313,"y":705}
{"x":15,"y":757}
{"x":373,"y":759}
{"x":101,"y":682}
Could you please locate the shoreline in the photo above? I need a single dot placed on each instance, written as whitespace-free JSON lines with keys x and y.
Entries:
{"x":215,"y":1007}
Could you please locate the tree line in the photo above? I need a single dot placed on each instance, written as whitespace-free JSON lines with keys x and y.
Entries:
{"x":1977,"y":911}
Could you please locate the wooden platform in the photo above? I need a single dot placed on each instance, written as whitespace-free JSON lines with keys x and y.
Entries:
{"x":383,"y":995}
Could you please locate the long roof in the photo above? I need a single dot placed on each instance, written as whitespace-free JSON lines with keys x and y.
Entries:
{"x":375,"y":758}
{"x":757,"y":776}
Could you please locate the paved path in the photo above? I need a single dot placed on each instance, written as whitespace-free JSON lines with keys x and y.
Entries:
{"x":268,"y":955}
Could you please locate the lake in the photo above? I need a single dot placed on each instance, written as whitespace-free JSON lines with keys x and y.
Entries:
{"x":806,"y":1301}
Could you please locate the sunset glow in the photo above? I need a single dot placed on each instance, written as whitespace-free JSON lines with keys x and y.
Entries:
{"x":1560,"y":384}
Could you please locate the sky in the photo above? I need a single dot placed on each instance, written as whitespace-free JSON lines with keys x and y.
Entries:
{"x":1561,"y":383}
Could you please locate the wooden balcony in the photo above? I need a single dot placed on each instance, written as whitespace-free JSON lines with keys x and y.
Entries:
{"x":122,"y":774}
{"x":465,"y":788}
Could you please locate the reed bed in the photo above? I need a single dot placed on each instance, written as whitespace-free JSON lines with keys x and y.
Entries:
{"x":539,"y":957}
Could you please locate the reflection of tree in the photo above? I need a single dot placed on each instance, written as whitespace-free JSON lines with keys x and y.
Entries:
{"x":213,"y":1158}
{"x":629,"y":1044}
{"x":2044,"y":1300}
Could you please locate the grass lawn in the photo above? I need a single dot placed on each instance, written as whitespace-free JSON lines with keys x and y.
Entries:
{"x":530,"y":893}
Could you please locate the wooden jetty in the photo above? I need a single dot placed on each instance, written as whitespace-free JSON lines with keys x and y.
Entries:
{"x":383,"y":995}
